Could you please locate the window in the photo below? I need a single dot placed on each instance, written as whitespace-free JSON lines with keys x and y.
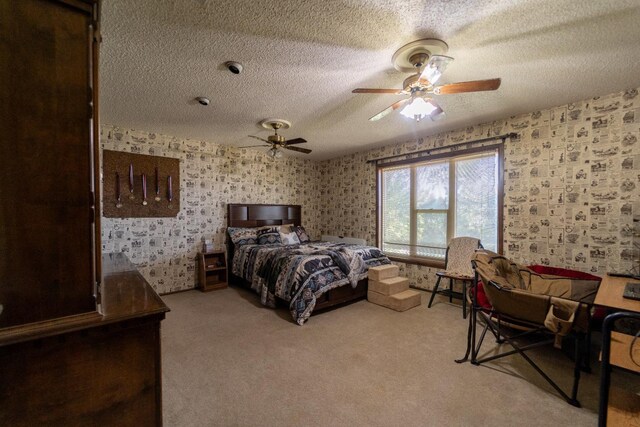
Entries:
{"x":423,"y":204}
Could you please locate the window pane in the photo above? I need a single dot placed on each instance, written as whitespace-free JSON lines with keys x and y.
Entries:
{"x":467,"y":207}
{"x":477,"y":200}
{"x":432,"y":183}
{"x":396,"y":216}
{"x":432,"y":234}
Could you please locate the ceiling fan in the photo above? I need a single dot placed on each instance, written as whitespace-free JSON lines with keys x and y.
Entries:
{"x":426,"y":59}
{"x":277,"y":141}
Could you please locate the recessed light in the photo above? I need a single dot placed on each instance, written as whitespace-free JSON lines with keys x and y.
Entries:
{"x":234,"y":67}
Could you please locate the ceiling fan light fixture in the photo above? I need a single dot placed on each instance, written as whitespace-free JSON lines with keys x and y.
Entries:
{"x":274,"y":153}
{"x":418,"y":108}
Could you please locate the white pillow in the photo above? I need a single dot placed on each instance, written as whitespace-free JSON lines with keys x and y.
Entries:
{"x":287,"y":236}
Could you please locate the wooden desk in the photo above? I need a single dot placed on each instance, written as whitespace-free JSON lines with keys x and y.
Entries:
{"x":610,"y":294}
{"x":623,"y":408}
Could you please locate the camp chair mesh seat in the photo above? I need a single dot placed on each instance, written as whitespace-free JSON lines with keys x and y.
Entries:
{"x":457,"y":266}
{"x":550,"y":306}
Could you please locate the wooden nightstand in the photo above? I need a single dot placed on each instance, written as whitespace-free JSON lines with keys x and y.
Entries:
{"x":212,"y":270}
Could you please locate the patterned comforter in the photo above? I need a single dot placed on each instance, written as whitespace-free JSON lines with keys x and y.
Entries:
{"x":301,"y":273}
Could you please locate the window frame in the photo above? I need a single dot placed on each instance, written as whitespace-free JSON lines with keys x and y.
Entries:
{"x":427,"y":261}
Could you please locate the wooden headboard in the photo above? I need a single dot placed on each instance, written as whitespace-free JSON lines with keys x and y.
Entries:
{"x":243,"y":215}
{"x":258,"y":215}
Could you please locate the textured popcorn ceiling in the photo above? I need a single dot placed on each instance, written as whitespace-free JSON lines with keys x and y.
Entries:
{"x":302,"y":58}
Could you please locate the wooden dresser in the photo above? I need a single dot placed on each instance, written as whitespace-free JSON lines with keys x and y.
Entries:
{"x":101,"y":368}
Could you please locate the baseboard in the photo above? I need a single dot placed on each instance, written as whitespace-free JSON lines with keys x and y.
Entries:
{"x":195,"y":288}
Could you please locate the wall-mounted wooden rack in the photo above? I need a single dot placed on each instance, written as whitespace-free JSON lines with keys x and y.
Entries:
{"x":140,"y":186}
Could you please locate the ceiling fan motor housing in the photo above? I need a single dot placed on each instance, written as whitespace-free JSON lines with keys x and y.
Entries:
{"x":412,"y":83}
{"x":276,"y":139}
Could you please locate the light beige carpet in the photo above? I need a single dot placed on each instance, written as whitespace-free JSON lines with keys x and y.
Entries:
{"x":229,"y":361}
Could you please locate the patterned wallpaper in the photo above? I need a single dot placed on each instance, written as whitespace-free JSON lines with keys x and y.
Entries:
{"x":572,"y":186}
{"x":212,"y":175}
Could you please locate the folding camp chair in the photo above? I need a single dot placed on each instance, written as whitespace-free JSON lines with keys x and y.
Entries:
{"x":517,"y":302}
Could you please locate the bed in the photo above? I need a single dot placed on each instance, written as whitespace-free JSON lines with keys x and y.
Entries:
{"x":307,"y":277}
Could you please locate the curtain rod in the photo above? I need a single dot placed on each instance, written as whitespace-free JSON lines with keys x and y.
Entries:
{"x":444,"y":147}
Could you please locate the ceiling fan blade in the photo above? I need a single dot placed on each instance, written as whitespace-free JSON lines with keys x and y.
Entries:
{"x":392,"y":91}
{"x":389,"y":109}
{"x":253,"y":146}
{"x":295,"y":141}
{"x":261,"y":139}
{"x":434,"y":68}
{"x":298,"y":149}
{"x":473,"y":86}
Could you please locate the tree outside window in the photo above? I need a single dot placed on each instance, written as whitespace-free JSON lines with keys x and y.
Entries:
{"x":424,"y":204}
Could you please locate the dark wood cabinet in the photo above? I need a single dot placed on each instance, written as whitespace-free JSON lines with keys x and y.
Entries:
{"x":76,"y":348}
{"x":212,"y":270}
{"x":49,"y":219}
